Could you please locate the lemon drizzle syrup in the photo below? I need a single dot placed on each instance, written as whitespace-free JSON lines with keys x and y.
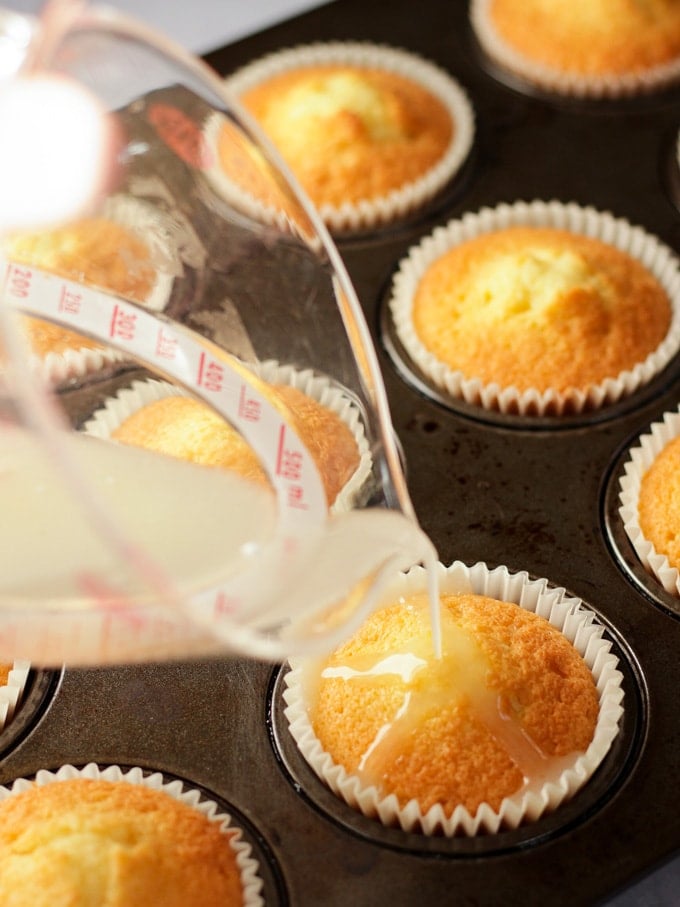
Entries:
{"x":442,"y":672}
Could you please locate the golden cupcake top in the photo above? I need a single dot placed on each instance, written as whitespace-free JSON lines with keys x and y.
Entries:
{"x":45,"y":337}
{"x":248,"y":179}
{"x":95,"y":251}
{"x":542,"y":308}
{"x":596,"y":38}
{"x":659,"y":503}
{"x":188,"y":429}
{"x":328,"y":439}
{"x":350,"y":133}
{"x":84,"y":842}
{"x":508,"y":705}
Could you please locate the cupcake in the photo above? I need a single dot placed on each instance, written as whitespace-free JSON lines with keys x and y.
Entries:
{"x":160,"y":417}
{"x":650,"y":501}
{"x":13,"y":679}
{"x":238,"y":173}
{"x":511,"y":719}
{"x":597,"y":49}
{"x":183,"y":427}
{"x":370,"y":132}
{"x":119,"y":838}
{"x":123,"y":251}
{"x":538,"y":309}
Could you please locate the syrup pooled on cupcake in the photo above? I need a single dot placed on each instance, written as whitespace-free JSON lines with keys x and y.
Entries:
{"x":507,"y":721}
{"x":506,"y":704}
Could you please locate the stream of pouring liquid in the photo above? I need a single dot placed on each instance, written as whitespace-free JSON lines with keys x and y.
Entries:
{"x":432,"y":683}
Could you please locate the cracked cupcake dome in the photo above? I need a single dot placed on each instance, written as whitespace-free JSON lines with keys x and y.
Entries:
{"x":370,"y":132}
{"x":531,"y":316}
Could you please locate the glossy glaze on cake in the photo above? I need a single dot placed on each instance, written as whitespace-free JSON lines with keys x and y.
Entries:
{"x":509,"y":705}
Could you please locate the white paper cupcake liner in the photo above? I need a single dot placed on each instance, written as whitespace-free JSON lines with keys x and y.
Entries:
{"x":368,"y":213}
{"x":642,"y":456}
{"x":658,"y":258}
{"x":157,"y":231}
{"x":116,"y":409}
{"x":247,"y":864}
{"x":556,"y":81}
{"x":59,"y":368}
{"x":12,"y":691}
{"x":578,"y":624}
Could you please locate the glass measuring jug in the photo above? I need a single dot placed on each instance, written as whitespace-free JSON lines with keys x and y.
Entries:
{"x":202,"y":275}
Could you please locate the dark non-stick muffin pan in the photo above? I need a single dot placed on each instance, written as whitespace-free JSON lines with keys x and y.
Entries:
{"x":536,"y":494}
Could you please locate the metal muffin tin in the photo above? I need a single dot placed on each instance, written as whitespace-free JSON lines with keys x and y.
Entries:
{"x":533,"y":494}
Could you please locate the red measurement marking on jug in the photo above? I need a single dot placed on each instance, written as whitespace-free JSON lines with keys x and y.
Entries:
{"x":289,"y":465}
{"x":248,"y":407}
{"x":123,"y":324}
{"x":166,"y":345}
{"x":226,"y":604}
{"x":181,"y":134}
{"x":110,"y":600}
{"x":210,"y":374}
{"x":288,"y":460}
{"x":296,"y":497}
{"x":69,"y":301}
{"x":18,"y":281}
